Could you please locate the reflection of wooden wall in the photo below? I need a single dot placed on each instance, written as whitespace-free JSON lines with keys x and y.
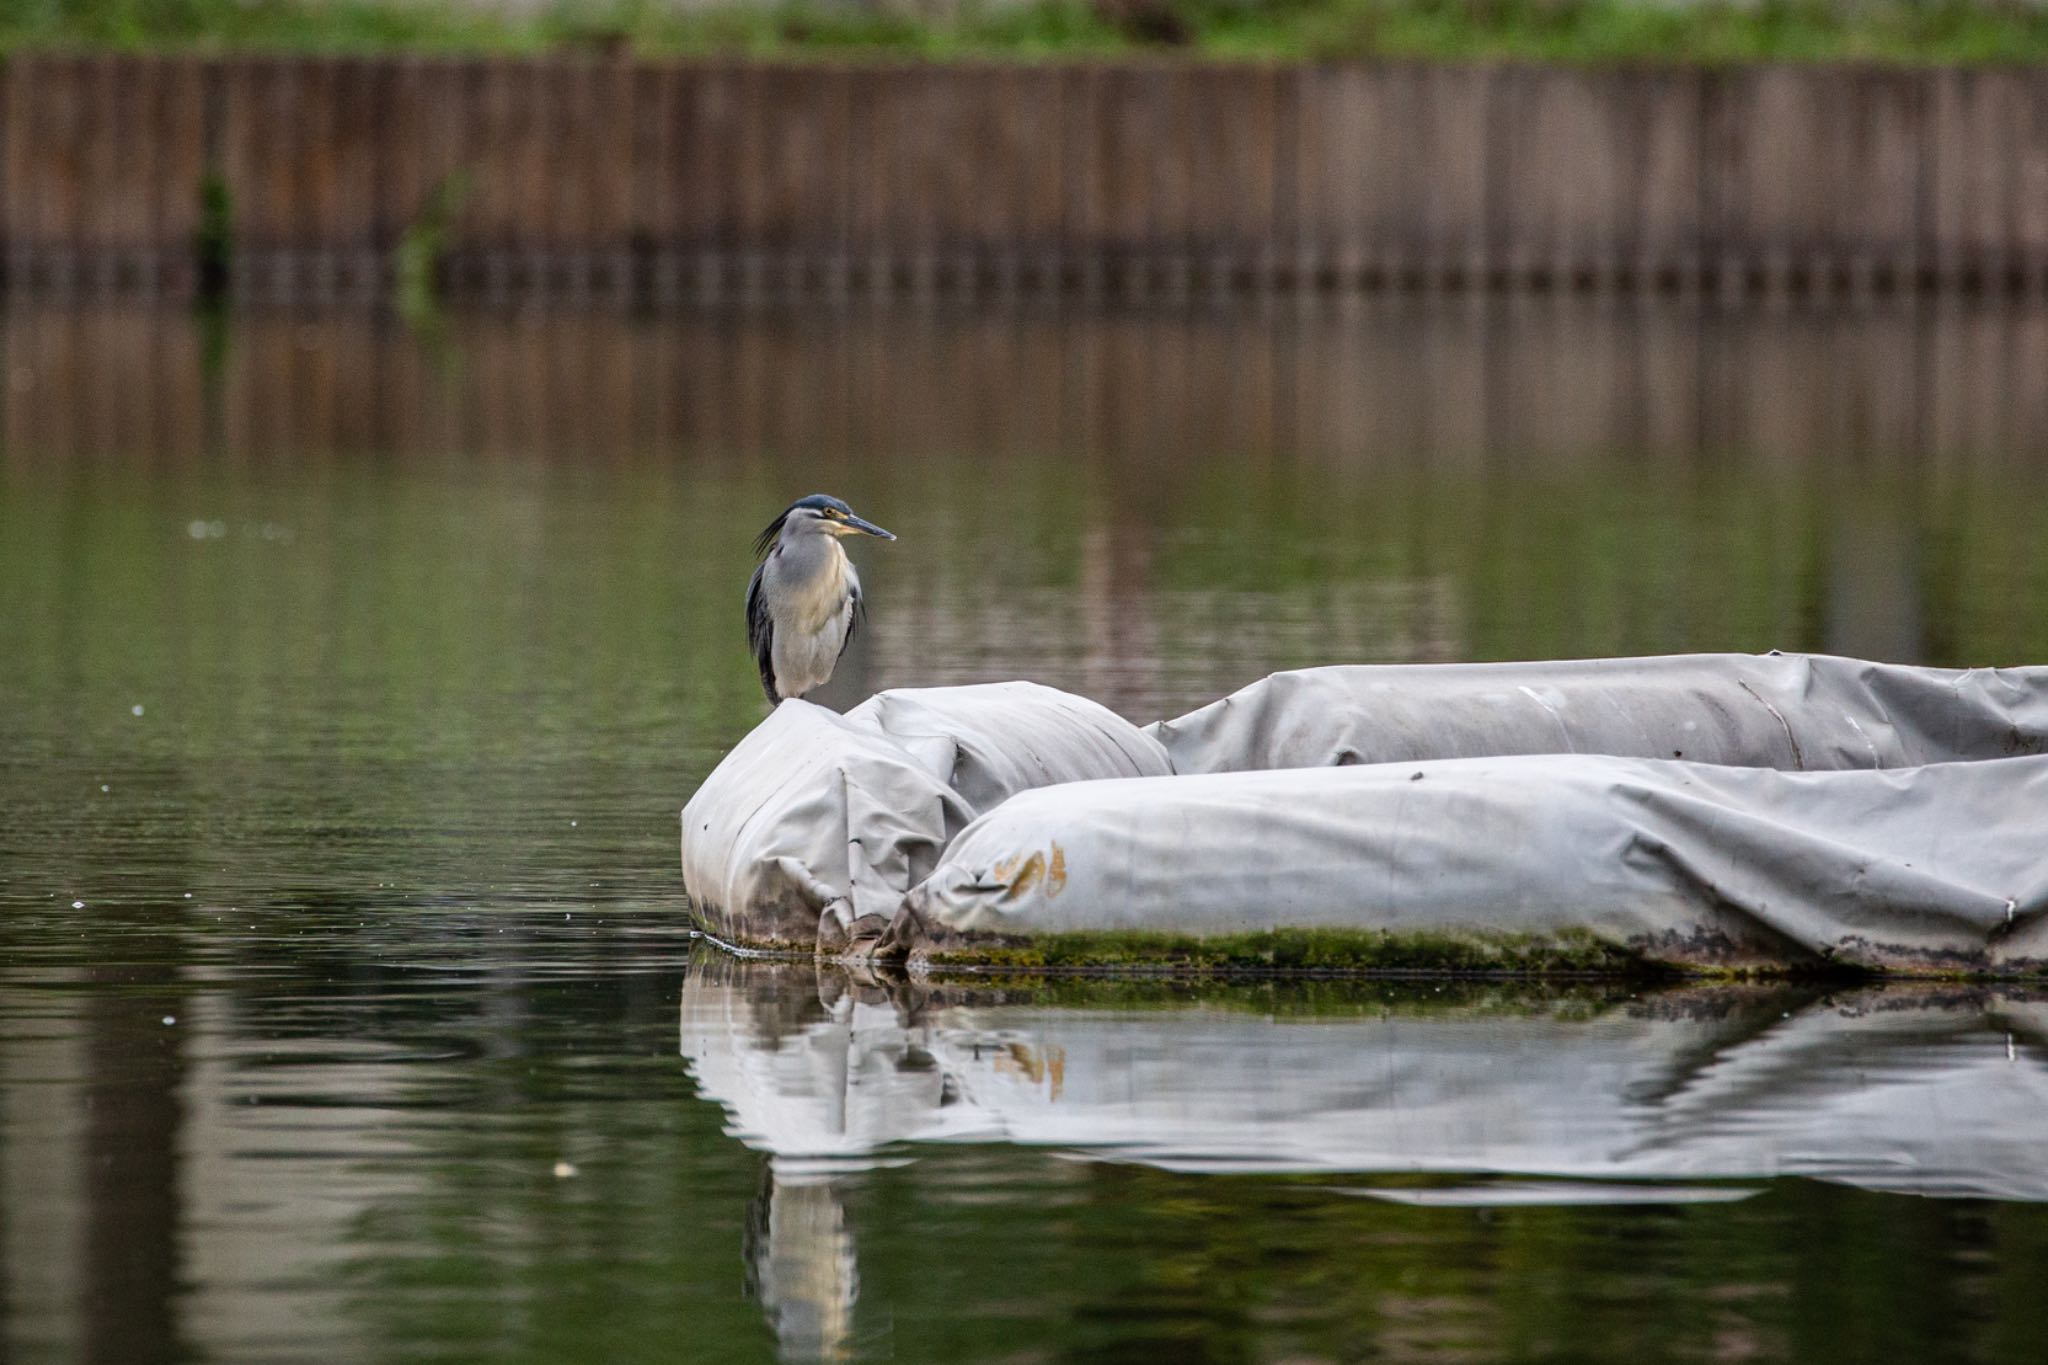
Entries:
{"x":1551,"y":382}
{"x":664,"y":182}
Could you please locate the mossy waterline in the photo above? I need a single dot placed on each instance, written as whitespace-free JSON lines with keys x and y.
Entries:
{"x":1306,"y":951}
{"x":1310,"y":953}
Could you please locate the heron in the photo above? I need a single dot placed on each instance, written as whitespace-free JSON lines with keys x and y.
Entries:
{"x":803,"y":602}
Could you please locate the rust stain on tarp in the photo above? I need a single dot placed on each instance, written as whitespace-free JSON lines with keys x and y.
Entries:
{"x":1019,"y":873}
{"x":1027,"y":876}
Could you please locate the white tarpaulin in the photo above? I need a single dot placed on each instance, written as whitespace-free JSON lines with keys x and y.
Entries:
{"x":1870,"y":846}
{"x":1942,"y":867}
{"x":814,"y":810}
{"x":1792,"y":711}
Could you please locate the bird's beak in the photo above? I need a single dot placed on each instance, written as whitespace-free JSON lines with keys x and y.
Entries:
{"x":863,"y":525}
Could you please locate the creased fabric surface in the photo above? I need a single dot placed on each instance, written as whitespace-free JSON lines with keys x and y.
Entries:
{"x":1816,"y":814}
{"x":992,"y":740}
{"x":1790,"y":711}
{"x":815,"y":811}
{"x":1936,"y":867}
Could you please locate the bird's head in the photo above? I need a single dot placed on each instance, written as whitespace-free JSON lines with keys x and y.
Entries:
{"x":818,"y":514}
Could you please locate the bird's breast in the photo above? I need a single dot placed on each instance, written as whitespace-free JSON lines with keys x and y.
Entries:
{"x":816,"y":592}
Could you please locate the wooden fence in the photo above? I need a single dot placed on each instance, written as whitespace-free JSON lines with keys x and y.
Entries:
{"x":657,"y":182}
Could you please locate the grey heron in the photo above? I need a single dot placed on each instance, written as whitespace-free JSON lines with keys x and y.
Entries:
{"x":803,"y":603}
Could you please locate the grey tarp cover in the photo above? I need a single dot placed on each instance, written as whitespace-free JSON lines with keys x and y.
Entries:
{"x":814,"y":810}
{"x":1944,"y":866}
{"x":1795,"y":711}
{"x":1922,"y":865}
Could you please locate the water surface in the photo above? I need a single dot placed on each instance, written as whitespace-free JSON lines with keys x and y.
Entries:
{"x":352,"y":677}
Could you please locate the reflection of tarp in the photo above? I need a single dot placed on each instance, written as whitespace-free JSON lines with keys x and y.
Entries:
{"x":1944,"y":866}
{"x":814,"y":810}
{"x":1943,"y":1094}
{"x":1791,"y":711}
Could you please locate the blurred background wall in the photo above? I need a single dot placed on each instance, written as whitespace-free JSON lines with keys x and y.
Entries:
{"x":657,"y":183}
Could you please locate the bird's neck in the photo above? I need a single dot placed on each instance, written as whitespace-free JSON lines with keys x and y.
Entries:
{"x":813,"y":555}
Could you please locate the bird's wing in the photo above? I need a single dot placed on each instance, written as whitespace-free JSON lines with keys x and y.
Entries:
{"x":761,"y":633}
{"x":859,"y":612}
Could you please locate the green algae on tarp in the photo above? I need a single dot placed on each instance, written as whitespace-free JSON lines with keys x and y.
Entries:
{"x":1305,"y":951}
{"x":1573,"y":953}
{"x":1342,"y":952}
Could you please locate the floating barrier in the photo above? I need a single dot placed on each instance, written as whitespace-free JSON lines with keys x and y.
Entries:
{"x":1778,"y":812}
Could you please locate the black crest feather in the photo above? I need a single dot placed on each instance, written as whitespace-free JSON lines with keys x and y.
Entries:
{"x":815,"y":502}
{"x":766,"y":540}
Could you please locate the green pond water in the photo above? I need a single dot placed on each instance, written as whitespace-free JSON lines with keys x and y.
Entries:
{"x":351,"y":677}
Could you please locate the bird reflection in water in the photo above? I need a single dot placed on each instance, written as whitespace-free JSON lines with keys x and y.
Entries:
{"x":801,"y":1266}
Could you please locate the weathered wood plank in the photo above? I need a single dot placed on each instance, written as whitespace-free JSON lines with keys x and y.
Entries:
{"x":796,"y":147}
{"x":608,"y":94}
{"x":179,"y":154}
{"x":2029,"y":178}
{"x":46,"y":202}
{"x":360,"y":95}
{"x":648,"y":91}
{"x":709,"y":169}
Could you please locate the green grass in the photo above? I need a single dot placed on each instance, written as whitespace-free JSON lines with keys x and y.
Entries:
{"x":1553,"y":30}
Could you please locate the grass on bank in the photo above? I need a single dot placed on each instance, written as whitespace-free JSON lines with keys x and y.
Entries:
{"x":1552,"y":30}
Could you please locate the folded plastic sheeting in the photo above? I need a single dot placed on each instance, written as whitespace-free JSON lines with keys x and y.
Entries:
{"x":1942,"y":867}
{"x":814,"y":811}
{"x":1791,"y":711}
{"x":1697,"y":838}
